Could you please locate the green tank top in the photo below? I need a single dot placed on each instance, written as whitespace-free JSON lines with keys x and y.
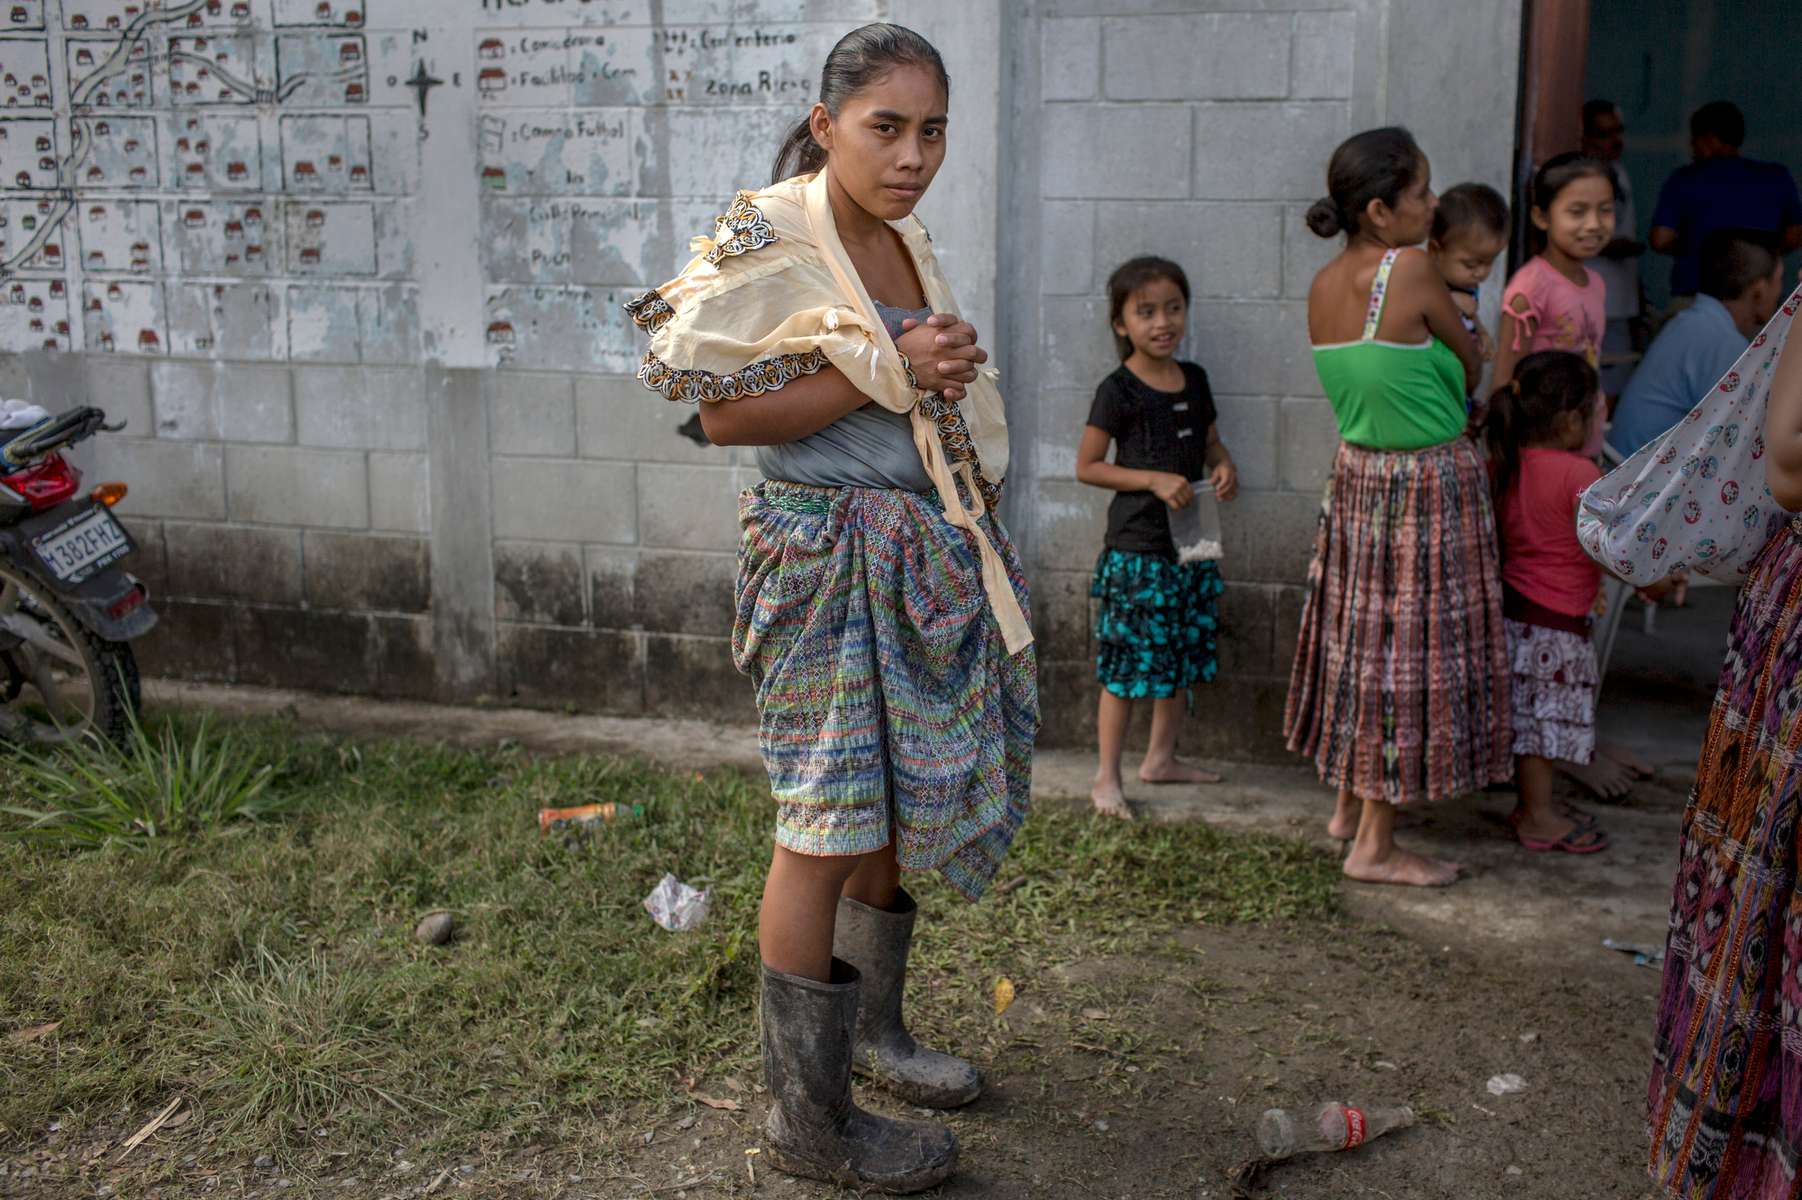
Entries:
{"x":1388,"y":396}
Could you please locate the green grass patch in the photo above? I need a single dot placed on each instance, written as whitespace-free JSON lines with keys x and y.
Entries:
{"x":170,"y":781}
{"x":267,"y":970}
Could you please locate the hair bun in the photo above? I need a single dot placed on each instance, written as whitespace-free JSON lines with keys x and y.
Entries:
{"x":1325,"y":219}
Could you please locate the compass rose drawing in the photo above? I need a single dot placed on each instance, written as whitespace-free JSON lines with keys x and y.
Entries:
{"x":422,"y":82}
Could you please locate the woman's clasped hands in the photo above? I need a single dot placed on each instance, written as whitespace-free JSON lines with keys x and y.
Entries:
{"x":943,"y":353}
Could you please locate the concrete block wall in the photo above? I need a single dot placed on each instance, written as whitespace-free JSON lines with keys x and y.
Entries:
{"x":552,"y":537}
{"x":1201,"y":132}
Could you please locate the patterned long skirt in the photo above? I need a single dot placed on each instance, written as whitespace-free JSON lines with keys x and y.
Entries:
{"x":1552,"y":692}
{"x":889,"y":708}
{"x":1726,"y":1090}
{"x":1399,"y":690}
{"x":1154,"y":633}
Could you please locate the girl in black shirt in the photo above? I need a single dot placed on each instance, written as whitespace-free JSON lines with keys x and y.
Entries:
{"x":1155,"y":632}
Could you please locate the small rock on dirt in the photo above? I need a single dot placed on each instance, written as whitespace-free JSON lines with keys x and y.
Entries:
{"x":264,"y":1162}
{"x":435,"y":928}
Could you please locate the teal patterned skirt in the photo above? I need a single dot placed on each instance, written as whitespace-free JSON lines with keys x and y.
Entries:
{"x":1154,"y":633}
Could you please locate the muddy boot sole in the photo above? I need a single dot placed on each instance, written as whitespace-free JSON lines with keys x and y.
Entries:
{"x":844,"y":1175}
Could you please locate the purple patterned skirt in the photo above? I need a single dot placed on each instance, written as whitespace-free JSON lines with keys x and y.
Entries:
{"x":1726,"y":1088}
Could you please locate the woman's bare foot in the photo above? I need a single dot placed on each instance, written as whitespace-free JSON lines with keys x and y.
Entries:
{"x":1402,"y":867}
{"x":1344,"y":825}
{"x":1607,"y":779}
{"x":1110,"y":801}
{"x":1174,"y":770}
{"x":1635,"y":766}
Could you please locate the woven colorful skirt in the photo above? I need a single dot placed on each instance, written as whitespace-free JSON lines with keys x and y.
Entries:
{"x":1399,"y":690}
{"x":1154,"y":631}
{"x":1553,"y":691}
{"x":1726,"y":1090}
{"x":889,"y":708}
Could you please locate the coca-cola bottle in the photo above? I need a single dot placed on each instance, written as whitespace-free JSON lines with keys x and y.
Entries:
{"x":1332,"y":1126}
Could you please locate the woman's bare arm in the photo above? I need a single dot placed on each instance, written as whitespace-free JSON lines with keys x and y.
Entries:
{"x":1783,"y":427}
{"x":801,"y":407}
{"x":1417,"y":284}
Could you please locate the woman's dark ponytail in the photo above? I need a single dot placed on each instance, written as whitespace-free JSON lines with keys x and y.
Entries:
{"x":1325,"y":219}
{"x":1378,"y":164}
{"x":861,"y":58}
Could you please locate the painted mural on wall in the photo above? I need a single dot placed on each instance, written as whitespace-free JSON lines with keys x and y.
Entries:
{"x":249,"y":179}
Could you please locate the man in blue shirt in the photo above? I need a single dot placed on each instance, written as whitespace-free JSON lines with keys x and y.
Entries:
{"x":1742,"y":285}
{"x":1721,"y":190}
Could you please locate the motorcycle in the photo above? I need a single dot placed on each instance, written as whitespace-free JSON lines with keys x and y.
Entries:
{"x":68,"y":611}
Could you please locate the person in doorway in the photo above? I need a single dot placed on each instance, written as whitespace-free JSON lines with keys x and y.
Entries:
{"x":1158,"y":618}
{"x":881,"y":609}
{"x":1727,"y":1041}
{"x":1742,"y":284}
{"x":1605,"y":140}
{"x":1720,"y":189}
{"x":1399,"y":691}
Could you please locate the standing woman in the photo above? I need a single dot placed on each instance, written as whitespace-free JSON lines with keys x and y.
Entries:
{"x":881,"y":607}
{"x":1400,"y":683}
{"x":1726,"y":1091}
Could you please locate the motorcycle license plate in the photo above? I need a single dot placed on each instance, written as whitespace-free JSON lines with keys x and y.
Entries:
{"x":82,"y":545}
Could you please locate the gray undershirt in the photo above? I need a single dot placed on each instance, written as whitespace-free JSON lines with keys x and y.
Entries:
{"x":867,"y":447}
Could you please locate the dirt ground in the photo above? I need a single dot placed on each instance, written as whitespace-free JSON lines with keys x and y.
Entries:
{"x":1144,"y":1077}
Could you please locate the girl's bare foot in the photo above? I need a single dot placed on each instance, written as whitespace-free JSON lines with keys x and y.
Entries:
{"x":1174,"y":770}
{"x":1604,"y":777}
{"x":1635,"y":766}
{"x":1401,"y":867}
{"x":1552,"y":827}
{"x":1110,"y":801}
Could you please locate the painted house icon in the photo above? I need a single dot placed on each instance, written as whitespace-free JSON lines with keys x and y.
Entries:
{"x":493,"y":48}
{"x":500,"y":333}
{"x":237,"y":172}
{"x":495,"y":178}
{"x":194,"y":218}
{"x":491,"y":80}
{"x":148,"y":342}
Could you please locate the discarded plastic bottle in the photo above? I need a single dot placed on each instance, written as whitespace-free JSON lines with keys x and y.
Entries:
{"x":585,"y":816}
{"x":1332,"y":1126}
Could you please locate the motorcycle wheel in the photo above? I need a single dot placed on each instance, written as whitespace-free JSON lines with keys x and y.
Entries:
{"x":64,"y":682}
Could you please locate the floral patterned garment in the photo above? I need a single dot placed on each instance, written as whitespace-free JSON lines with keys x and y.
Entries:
{"x":1154,"y":634}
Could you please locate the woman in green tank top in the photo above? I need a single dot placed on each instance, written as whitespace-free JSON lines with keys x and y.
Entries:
{"x":1400,"y":685}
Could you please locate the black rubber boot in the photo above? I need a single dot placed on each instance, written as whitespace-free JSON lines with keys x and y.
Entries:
{"x":876,"y":943}
{"x":814,"y":1129}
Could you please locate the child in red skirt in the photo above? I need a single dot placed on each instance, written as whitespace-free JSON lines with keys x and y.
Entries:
{"x":1537,"y":426}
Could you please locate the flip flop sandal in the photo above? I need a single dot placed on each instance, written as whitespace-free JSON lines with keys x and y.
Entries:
{"x":1581,"y":840}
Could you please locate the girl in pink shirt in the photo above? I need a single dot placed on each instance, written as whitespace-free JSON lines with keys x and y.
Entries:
{"x":1537,"y":426}
{"x":1555,"y":302}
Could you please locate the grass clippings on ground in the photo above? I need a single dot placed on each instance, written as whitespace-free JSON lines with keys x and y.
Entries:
{"x":267,"y":973}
